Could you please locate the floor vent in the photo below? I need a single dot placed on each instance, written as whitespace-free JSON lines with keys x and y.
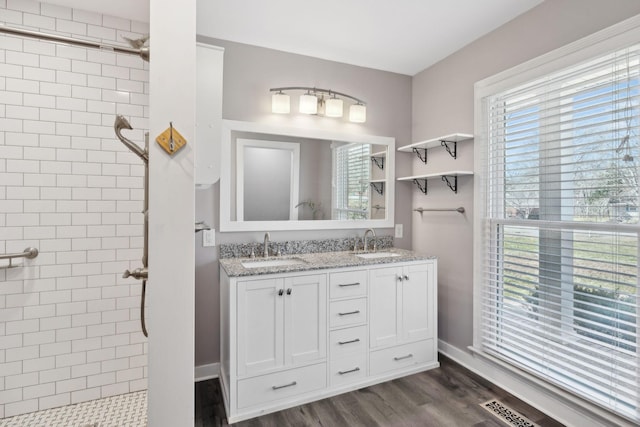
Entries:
{"x":507,"y":415}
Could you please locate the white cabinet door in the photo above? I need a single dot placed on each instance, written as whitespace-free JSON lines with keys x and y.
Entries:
{"x":260,"y":329}
{"x":305,"y":318}
{"x":417,"y":302}
{"x":402,"y":304}
{"x":385,"y":303}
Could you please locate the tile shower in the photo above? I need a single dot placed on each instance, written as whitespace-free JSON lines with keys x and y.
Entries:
{"x":69,"y":324}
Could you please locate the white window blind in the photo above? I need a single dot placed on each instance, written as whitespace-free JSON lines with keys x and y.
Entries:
{"x":351,"y":181}
{"x":559,"y":275}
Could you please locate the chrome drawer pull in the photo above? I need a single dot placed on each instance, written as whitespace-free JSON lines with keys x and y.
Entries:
{"x":348,"y":342}
{"x":277,"y":387}
{"x":356,"y":369}
{"x":342,"y":285}
{"x":349,"y":312}
{"x":408,"y":356}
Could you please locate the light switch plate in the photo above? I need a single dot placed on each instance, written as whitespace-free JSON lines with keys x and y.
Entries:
{"x":399,"y":231}
{"x":208,"y":238}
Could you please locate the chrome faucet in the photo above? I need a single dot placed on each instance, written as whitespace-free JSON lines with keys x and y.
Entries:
{"x":373,"y":234}
{"x":267,"y":238}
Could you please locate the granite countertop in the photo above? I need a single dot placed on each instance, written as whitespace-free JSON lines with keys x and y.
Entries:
{"x":315,"y":261}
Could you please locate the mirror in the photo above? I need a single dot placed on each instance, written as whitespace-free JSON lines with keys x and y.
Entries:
{"x":279,"y":178}
{"x":267,"y":199}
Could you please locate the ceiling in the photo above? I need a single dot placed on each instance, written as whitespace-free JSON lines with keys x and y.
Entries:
{"x":402,"y":36}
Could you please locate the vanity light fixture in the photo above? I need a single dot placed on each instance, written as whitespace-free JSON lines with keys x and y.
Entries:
{"x":358,"y":113}
{"x":308,"y":103}
{"x":313,"y":101}
{"x":333,"y":107}
{"x":280,"y":103}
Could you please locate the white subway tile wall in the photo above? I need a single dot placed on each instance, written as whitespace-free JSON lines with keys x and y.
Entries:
{"x":69,"y":324}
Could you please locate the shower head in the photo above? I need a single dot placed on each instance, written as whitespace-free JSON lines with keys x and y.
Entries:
{"x":122,"y":123}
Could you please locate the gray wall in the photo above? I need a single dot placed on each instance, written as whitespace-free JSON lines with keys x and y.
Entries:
{"x":442,"y":99}
{"x":249,"y":72}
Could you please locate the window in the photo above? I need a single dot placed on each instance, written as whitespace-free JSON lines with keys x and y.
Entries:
{"x":559,"y":229}
{"x":351,"y":181}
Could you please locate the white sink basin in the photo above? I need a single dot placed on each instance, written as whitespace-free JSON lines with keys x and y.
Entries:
{"x":377,"y":255}
{"x":272,"y":263}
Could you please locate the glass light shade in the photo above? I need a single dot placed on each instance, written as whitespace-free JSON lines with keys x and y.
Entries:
{"x":308,"y":104}
{"x":280,"y":103}
{"x":333,"y":107}
{"x":358,"y":113}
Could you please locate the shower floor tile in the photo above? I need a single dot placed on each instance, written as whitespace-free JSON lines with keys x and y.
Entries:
{"x":123,"y":410}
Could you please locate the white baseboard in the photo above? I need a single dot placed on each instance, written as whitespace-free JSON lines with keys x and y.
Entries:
{"x":544,"y":400}
{"x":206,"y":372}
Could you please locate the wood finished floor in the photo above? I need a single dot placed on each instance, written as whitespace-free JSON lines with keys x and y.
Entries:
{"x":447,"y":396}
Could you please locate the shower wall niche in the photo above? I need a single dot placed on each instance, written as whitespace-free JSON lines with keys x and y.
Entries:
{"x":69,"y":324}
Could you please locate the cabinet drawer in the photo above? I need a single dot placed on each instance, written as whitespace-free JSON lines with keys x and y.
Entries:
{"x":344,"y":342}
{"x":402,"y":356}
{"x":281,"y":385}
{"x":348,"y":312}
{"x":348,"y":284}
{"x":348,"y":369}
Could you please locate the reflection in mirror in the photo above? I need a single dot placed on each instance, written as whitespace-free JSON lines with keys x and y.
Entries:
{"x":267,"y":176}
{"x":336,"y":183}
{"x":304,"y":179}
{"x":353,"y":172}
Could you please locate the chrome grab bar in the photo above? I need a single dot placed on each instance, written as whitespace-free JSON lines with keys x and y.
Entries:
{"x":460,"y":210}
{"x":28,"y":253}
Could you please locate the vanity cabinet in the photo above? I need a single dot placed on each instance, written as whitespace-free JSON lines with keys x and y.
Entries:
{"x":348,"y":308}
{"x":292,"y":338}
{"x":281,"y":322}
{"x":402,"y":317}
{"x":401,"y":304}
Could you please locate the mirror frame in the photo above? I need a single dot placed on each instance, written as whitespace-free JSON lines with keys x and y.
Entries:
{"x":227,"y":225}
